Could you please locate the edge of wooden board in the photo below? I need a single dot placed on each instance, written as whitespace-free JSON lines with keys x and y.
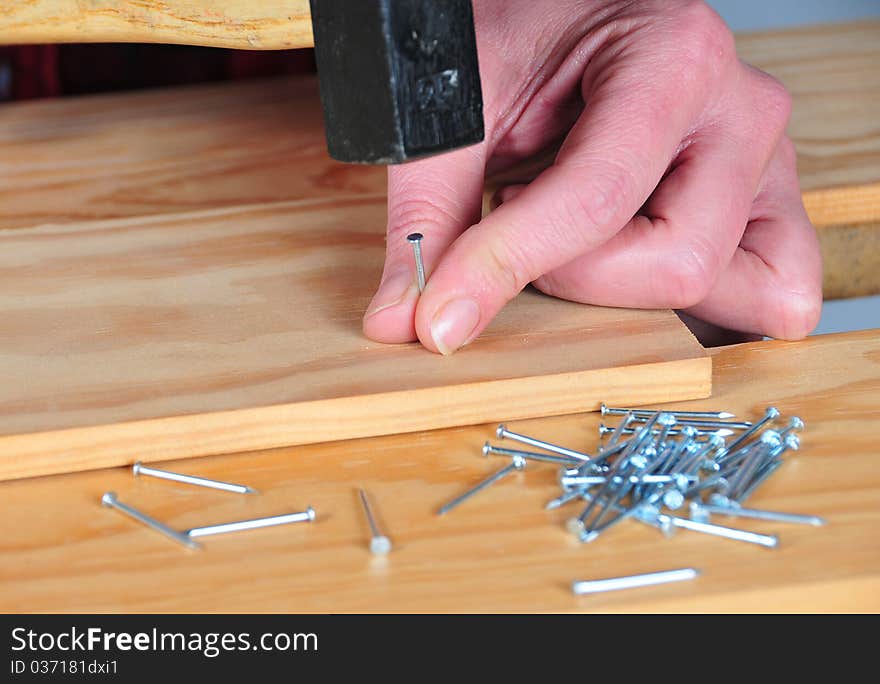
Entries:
{"x":207,"y":434}
{"x":829,"y":207}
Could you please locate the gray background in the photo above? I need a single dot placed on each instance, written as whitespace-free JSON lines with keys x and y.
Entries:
{"x":756,"y":15}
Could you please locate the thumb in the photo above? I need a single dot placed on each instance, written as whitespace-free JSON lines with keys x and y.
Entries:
{"x":440,"y":197}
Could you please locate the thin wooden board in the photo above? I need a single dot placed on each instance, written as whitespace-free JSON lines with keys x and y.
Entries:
{"x":240,"y":328}
{"x":501,"y":551}
{"x":68,"y":160}
{"x":831,"y":72}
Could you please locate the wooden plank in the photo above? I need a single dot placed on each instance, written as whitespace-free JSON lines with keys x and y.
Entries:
{"x":263,"y":25}
{"x":831,"y":72}
{"x":851,"y":256}
{"x":499,"y":552}
{"x":240,"y":328}
{"x":168,"y":151}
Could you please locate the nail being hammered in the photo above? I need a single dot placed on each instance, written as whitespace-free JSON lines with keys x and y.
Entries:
{"x":415,"y":239}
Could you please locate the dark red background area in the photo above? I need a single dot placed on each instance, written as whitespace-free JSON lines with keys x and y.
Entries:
{"x":33,"y":71}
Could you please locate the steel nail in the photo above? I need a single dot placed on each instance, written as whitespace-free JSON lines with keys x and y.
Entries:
{"x":618,"y":432}
{"x":706,"y":425}
{"x":760,"y":477}
{"x":110,"y":500}
{"x":718,"y":415}
{"x":503,"y":433}
{"x":518,"y":463}
{"x":633,"y":581}
{"x":722,"y":432}
{"x":766,"y":540}
{"x":758,"y":514}
{"x":564,"y":498}
{"x":379,"y":543}
{"x":140,"y":469}
{"x":770,"y":414}
{"x":749,"y":465}
{"x":530,"y":455}
{"x":415,"y":239}
{"x":307,"y":515}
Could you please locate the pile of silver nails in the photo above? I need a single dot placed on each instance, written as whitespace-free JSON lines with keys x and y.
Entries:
{"x":654,"y":463}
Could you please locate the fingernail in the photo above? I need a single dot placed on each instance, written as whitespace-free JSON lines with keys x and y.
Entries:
{"x":454,"y":324}
{"x":393,"y":290}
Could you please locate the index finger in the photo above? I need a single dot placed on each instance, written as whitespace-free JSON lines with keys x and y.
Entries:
{"x":611,"y":162}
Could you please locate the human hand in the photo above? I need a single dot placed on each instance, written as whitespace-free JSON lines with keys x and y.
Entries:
{"x":675,"y":186}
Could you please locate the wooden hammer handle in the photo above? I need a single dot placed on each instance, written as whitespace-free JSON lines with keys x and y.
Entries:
{"x":244,"y":24}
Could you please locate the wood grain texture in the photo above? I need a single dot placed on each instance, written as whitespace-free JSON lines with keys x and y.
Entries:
{"x":247,"y":24}
{"x":167,"y":151}
{"x":240,"y":328}
{"x":831,"y":72}
{"x":499,"y":552}
{"x":851,"y":257}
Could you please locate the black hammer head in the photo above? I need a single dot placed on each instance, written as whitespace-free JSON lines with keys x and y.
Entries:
{"x":399,"y":78}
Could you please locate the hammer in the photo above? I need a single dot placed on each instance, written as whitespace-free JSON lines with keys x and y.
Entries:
{"x":399,"y":79}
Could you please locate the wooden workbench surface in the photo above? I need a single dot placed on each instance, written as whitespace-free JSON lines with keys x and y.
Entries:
{"x":62,"y":551}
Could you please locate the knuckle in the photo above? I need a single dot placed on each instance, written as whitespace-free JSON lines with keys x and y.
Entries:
{"x":600,"y":203}
{"x":774,"y":100}
{"x":707,"y":39}
{"x":407,"y":215}
{"x":788,"y":154}
{"x":509,"y":268}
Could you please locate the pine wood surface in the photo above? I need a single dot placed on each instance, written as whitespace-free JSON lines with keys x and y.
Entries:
{"x":170,"y":151}
{"x":851,"y":260}
{"x":240,"y":328}
{"x":501,"y":551}
{"x":831,"y":72}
